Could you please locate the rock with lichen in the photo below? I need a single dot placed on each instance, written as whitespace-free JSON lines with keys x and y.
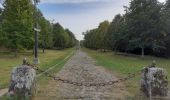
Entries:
{"x":22,"y":82}
{"x":154,"y":81}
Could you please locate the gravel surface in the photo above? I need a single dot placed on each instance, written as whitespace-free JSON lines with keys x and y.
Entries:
{"x":82,"y":68}
{"x":3,"y":91}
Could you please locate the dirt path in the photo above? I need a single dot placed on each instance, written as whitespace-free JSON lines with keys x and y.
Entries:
{"x":82,"y":68}
{"x":3,"y":91}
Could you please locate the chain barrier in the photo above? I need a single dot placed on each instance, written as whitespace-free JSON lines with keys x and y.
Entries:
{"x":87,"y":84}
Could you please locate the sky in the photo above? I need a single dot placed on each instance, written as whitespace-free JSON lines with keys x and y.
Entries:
{"x":81,"y":15}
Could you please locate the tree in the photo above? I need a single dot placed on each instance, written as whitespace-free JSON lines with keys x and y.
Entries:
{"x":59,"y":36}
{"x":116,"y":35}
{"x":101,"y":35}
{"x":95,"y":38}
{"x":143,"y":17}
{"x":90,"y":39}
{"x":18,"y":24}
{"x":72,"y":40}
{"x":2,"y":35}
{"x":45,"y":35}
{"x":165,"y":24}
{"x":63,"y":38}
{"x":144,"y":28}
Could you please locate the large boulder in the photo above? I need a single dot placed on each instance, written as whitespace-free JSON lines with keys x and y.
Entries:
{"x":23,"y":82}
{"x":154,"y":81}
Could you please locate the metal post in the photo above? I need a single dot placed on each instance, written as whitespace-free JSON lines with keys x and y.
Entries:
{"x":36,"y":42}
{"x":36,"y":60}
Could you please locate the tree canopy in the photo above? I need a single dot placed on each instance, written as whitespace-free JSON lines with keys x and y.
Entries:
{"x":17,"y":24}
{"x":143,"y":29}
{"x":17,"y":21}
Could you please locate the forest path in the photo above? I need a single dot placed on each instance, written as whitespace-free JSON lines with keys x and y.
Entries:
{"x":82,"y":68}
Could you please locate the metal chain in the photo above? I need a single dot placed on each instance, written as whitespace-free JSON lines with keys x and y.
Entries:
{"x":86,"y":84}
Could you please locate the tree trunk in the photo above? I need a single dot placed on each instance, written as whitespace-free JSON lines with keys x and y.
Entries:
{"x":43,"y":50}
{"x":15,"y":53}
{"x":115,"y":50}
{"x":142,"y":49}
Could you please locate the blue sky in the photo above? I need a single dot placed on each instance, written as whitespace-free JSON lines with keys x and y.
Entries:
{"x":81,"y":15}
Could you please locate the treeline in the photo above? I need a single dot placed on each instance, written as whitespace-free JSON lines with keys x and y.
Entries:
{"x":143,"y":29}
{"x":17,"y":21}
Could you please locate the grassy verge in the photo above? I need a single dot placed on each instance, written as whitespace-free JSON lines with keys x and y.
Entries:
{"x":43,"y":81}
{"x":47,"y":59}
{"x":122,"y":65}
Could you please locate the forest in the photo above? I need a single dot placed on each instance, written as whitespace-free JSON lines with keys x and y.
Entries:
{"x":17,"y":21}
{"x":144,"y":29}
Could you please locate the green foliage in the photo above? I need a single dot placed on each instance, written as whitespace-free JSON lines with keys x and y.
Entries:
{"x":72,"y":40}
{"x":17,"y":24}
{"x":62,"y":38}
{"x":101,"y":35}
{"x":143,"y":20}
{"x":2,"y":37}
{"x":17,"y":21}
{"x":165,"y":23}
{"x":90,"y":39}
{"x":95,"y":38}
{"x":45,"y":35}
{"x":59,"y":36}
{"x":144,"y":28}
{"x":116,"y":35}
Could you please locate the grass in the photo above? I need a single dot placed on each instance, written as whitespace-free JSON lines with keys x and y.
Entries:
{"x":50,"y":58}
{"x":122,"y":65}
{"x":47,"y":59}
{"x":43,"y":81}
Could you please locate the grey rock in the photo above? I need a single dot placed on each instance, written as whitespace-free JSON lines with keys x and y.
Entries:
{"x":23,"y":82}
{"x":154,"y":82}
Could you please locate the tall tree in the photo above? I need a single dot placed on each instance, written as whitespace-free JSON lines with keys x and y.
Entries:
{"x":143,"y":17}
{"x":72,"y":40}
{"x":45,"y":35}
{"x":2,"y":36}
{"x":101,"y":35}
{"x":165,"y":24}
{"x":90,"y":39}
{"x":60,"y":37}
{"x":18,"y":24}
{"x":116,"y":35}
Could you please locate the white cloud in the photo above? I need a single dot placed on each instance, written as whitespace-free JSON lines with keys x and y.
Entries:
{"x":73,"y":1}
{"x":79,"y":1}
{"x":162,"y":0}
{"x":80,"y":22}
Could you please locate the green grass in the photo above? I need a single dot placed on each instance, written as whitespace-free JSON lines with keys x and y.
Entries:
{"x":47,"y":59}
{"x":43,"y":81}
{"x":122,"y":65}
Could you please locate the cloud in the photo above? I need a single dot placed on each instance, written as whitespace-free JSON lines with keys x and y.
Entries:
{"x":81,"y":17}
{"x":73,"y":1}
{"x":79,"y":1}
{"x":162,"y":0}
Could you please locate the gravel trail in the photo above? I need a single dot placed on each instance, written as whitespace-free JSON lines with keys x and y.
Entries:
{"x":82,"y":68}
